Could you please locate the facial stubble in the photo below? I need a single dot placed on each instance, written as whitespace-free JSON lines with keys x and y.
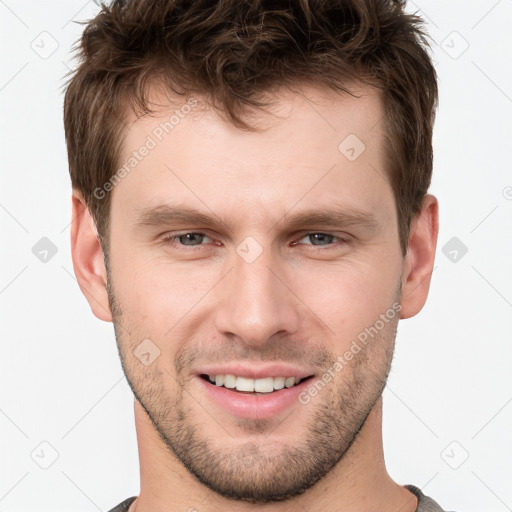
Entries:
{"x":245,"y":470}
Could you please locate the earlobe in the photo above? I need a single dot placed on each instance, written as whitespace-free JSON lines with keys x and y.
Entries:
{"x":88,"y":261}
{"x":419,"y":261}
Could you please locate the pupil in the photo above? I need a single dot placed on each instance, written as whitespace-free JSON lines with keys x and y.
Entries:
{"x":321,"y":237}
{"x":189,"y":237}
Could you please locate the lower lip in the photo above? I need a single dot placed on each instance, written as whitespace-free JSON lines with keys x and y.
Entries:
{"x":253,"y":407}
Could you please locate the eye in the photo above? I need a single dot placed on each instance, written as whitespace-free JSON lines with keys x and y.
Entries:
{"x":186,"y":239}
{"x":320,"y":239}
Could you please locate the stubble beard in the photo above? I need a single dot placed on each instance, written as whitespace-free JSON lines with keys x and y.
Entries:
{"x":247,"y":470}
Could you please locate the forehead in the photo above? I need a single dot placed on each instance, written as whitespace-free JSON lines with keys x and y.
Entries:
{"x":310,"y":148}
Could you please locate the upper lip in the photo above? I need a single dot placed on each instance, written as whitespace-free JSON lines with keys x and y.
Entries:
{"x":252,"y":371}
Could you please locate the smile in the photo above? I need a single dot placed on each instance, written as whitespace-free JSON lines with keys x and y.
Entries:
{"x":255,"y":397}
{"x":248,"y":385}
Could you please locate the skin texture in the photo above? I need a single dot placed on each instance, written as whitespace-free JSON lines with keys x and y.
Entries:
{"x":297,"y":302}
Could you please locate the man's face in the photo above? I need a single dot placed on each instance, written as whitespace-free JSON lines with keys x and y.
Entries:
{"x":265,"y":291}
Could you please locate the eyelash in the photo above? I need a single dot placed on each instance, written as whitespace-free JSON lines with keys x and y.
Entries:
{"x":170,"y":239}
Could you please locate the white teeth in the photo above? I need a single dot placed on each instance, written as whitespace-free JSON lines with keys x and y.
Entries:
{"x":244,"y":384}
{"x":279,"y":382}
{"x":264,"y":385}
{"x":289,"y":382}
{"x":229,"y":381}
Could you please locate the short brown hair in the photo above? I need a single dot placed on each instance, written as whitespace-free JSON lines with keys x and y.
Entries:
{"x":232,"y":52}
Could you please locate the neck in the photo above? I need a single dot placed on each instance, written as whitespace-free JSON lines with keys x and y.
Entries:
{"x":359,"y":482}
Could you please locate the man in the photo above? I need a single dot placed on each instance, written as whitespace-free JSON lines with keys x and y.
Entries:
{"x":251,"y":212}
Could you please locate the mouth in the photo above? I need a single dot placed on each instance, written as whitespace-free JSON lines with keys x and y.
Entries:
{"x":262,"y":397}
{"x":246,"y":385}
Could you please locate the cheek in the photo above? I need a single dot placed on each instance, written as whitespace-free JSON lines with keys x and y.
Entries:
{"x":156,"y":295}
{"x":349,"y":297}
{"x":159,"y":298}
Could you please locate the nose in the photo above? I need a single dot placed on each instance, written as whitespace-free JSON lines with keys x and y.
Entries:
{"x":254,"y":301}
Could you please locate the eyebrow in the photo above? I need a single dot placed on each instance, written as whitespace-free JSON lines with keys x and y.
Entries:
{"x":341,"y":216}
{"x":168,"y":214}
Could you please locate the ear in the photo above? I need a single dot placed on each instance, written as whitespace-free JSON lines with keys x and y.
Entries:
{"x":88,"y":261}
{"x":419,"y":260}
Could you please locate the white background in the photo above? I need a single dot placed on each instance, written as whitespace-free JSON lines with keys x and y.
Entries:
{"x":450,"y":393}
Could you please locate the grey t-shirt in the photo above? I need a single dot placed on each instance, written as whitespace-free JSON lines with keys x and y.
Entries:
{"x":425,"y":504}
